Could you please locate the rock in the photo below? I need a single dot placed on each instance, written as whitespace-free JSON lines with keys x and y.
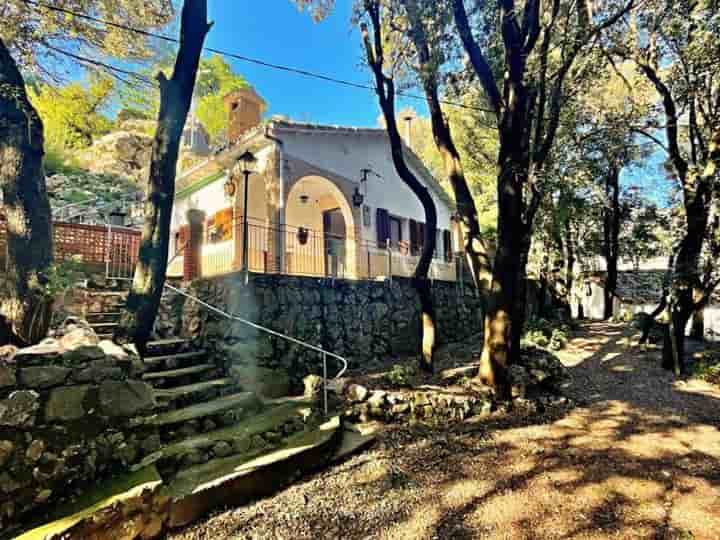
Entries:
{"x":44,"y":353}
{"x":7,"y":375}
{"x":273,"y":437}
{"x":520,"y":380}
{"x":222,"y":449}
{"x":194,"y":458}
{"x":98,"y":372}
{"x":151,"y":444}
{"x":377,"y":400}
{"x":313,"y":387}
{"x":209,"y":425}
{"x":20,"y":408}
{"x":126,"y":453}
{"x":125,"y":398}
{"x":65,"y":404}
{"x":7,"y":354}
{"x":43,"y":376}
{"x":338,"y":386}
{"x":35,"y":450}
{"x":78,"y":336}
{"x":8,"y":484}
{"x":113,"y":350}
{"x":356,"y":393}
{"x":240,"y":446}
{"x":152,"y":528}
{"x":43,"y":496}
{"x":270,"y":383}
{"x":6,"y":450}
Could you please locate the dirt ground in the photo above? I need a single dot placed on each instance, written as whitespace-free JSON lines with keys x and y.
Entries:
{"x":639,"y":457}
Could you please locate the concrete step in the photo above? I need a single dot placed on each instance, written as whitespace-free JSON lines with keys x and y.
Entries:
{"x":242,"y":400}
{"x":178,"y":373}
{"x":172,"y":361}
{"x":242,"y":431}
{"x":129,"y":489}
{"x":237,"y":480}
{"x":189,"y":391}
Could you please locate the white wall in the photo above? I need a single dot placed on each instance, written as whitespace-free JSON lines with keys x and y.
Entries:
{"x":347,"y":155}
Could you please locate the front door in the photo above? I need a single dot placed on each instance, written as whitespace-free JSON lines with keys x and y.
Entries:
{"x":334,"y":234}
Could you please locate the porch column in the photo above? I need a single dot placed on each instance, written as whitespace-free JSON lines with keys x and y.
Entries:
{"x":192,"y":259}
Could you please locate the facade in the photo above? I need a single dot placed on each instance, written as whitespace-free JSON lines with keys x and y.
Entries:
{"x":322,"y":201}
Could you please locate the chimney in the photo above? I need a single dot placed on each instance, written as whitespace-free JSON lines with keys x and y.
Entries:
{"x":245,"y":109}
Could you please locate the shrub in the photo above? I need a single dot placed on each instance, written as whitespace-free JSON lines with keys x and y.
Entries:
{"x":547,"y":334}
{"x":400,"y":375}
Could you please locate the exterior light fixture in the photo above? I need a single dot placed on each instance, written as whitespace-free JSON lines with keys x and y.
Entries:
{"x":358,"y":198}
{"x":247,"y":161}
{"x":304,"y":198}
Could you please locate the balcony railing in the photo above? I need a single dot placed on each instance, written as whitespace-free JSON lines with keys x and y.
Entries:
{"x":307,"y":252}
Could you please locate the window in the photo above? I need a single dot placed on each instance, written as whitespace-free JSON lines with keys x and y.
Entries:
{"x":395,"y":232}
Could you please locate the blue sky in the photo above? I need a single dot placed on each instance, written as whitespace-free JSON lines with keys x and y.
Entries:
{"x":275,"y":31}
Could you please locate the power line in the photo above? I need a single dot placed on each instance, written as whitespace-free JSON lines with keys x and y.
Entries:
{"x":248,"y":59}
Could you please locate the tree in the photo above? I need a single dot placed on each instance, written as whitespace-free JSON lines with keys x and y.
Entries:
{"x":675,"y":47}
{"x":34,"y":39}
{"x":385,"y":89}
{"x":23,"y":306}
{"x":176,"y":93}
{"x":73,"y":115}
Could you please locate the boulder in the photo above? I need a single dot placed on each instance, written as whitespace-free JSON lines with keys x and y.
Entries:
{"x":270,"y":383}
{"x":125,"y":398}
{"x":80,"y":345}
{"x":20,"y":408}
{"x":46,"y":352}
{"x":6,"y":450}
{"x":520,"y":380}
{"x":313,"y":387}
{"x":7,"y":354}
{"x":42,"y":377}
{"x":65,"y":404}
{"x":356,"y":393}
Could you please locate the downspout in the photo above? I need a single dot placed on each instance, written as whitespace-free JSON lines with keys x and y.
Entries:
{"x":280,"y":241}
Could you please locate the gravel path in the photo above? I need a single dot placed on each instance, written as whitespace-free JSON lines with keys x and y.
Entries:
{"x":638,"y":458}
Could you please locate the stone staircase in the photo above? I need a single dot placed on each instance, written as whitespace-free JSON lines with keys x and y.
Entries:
{"x":212,"y":443}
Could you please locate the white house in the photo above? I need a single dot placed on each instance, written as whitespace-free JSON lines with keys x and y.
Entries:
{"x":322,"y":201}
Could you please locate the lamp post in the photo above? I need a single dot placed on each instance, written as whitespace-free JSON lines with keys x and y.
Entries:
{"x":247,"y":161}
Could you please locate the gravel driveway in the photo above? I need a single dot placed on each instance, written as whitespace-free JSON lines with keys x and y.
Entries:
{"x":638,"y":458}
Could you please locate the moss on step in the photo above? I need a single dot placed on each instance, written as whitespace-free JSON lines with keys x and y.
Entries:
{"x":256,"y":425}
{"x":117,"y":489}
{"x":240,"y":479}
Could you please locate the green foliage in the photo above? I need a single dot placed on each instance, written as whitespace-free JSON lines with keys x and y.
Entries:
{"x":708,"y":368}
{"x":215,"y":80}
{"x":63,"y":276}
{"x":59,"y":161}
{"x":72,"y":115}
{"x":546,"y":334}
{"x":400,"y":375}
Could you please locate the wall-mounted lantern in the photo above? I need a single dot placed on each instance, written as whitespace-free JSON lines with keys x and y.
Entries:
{"x":358,"y":198}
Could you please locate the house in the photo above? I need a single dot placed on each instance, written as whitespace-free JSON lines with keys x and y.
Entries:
{"x":321,"y":201}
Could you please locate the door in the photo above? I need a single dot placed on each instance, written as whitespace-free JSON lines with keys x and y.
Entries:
{"x":334,"y":235}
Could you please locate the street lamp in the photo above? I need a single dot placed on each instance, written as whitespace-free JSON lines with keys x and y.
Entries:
{"x":247,"y":161}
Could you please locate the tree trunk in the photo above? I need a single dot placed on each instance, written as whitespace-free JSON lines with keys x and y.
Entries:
{"x":673,"y":354}
{"x":569,"y":245}
{"x":385,"y":89}
{"x":175,"y":96}
{"x":611,"y":235}
{"x":697,"y":330}
{"x":24,"y":306}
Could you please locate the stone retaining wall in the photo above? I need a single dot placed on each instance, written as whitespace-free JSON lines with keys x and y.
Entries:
{"x":64,"y":411}
{"x":363,"y":321}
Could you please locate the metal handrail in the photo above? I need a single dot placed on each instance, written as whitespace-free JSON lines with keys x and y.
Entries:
{"x":319,"y":350}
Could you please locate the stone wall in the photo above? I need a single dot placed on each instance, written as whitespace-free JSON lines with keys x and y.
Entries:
{"x":362,"y":321}
{"x":64,"y":411}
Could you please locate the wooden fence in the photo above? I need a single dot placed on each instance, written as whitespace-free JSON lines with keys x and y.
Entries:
{"x":95,"y":245}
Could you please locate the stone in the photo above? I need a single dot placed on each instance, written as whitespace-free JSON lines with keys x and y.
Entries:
{"x":35,"y":450}
{"x":209,"y":425}
{"x":269,"y":383}
{"x":6,"y":450}
{"x":151,"y":444}
{"x":126,"y":453}
{"x":356,"y":393}
{"x":194,"y":458}
{"x":519,"y":380}
{"x":20,"y":408}
{"x":8,"y":484}
{"x":65,"y":404}
{"x":113,"y":350}
{"x":222,"y":449}
{"x":43,"y":496}
{"x":7,"y":354}
{"x":273,"y":437}
{"x":240,"y":446}
{"x":152,"y":528}
{"x":7,"y":376}
{"x":78,"y":336}
{"x":97,"y":372}
{"x":377,"y":400}
{"x":125,"y":398}
{"x":45,"y":352}
{"x":313,"y":387}
{"x":43,"y":377}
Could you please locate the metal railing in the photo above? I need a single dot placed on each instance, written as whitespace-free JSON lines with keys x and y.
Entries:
{"x":280,"y":335}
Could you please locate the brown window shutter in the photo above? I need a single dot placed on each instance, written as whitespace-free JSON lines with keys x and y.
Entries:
{"x":382,"y":225}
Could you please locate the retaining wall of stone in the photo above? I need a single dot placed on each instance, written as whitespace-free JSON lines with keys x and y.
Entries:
{"x":362,"y":321}
{"x":64,"y":411}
